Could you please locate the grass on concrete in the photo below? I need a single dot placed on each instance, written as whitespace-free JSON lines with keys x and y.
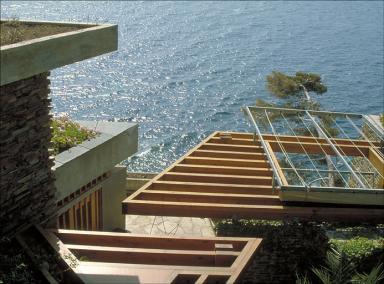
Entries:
{"x":14,"y":31}
{"x":67,"y":134}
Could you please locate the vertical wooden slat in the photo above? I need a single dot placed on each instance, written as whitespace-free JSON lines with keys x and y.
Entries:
{"x":71,"y":218}
{"x":100,"y":208}
{"x":93,"y":205}
{"x":78,"y":217}
{"x":97,"y":210}
{"x":83,"y":215}
{"x":89,"y":212}
{"x":61,"y":221}
{"x":66,"y":220}
{"x":74,"y":217}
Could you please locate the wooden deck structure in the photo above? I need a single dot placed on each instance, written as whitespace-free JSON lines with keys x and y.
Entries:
{"x":228,"y":175}
{"x":104,"y":257}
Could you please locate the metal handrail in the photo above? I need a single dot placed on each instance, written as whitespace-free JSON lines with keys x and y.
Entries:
{"x":280,"y":183}
{"x":316,"y":112}
{"x":320,"y":130}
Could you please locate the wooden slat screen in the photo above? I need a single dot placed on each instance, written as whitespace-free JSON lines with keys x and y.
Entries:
{"x":84,"y":215}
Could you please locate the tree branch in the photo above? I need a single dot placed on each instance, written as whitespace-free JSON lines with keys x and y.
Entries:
{"x":306,"y":94}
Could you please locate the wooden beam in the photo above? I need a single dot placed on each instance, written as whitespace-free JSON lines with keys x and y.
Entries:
{"x":268,"y":212}
{"x":236,"y":141}
{"x":213,"y":188}
{"x":361,"y":198}
{"x":306,"y":139}
{"x":244,"y":259}
{"x":228,"y":155}
{"x":35,"y":261}
{"x":205,"y":169}
{"x":209,"y":197}
{"x":378,"y":162}
{"x":153,"y":256}
{"x":269,"y":137}
{"x":202,"y":279}
{"x":277,"y":165}
{"x":225,"y":162}
{"x":97,"y":238}
{"x":315,"y":148}
{"x":216,"y":178}
{"x":142,"y":270}
{"x":69,"y":263}
{"x":232,"y":148}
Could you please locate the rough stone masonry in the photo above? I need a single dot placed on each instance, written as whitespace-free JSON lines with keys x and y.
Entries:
{"x":27,"y":191}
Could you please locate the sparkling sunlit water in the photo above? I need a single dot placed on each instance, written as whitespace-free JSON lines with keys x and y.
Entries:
{"x":184,"y":69}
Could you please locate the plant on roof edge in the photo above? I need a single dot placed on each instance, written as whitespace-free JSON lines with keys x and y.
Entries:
{"x":67,"y":134}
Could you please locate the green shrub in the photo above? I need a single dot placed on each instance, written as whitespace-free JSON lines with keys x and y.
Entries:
{"x":67,"y":134}
{"x":287,"y":248}
{"x":339,"y":270}
{"x":357,"y":247}
{"x":364,"y":253}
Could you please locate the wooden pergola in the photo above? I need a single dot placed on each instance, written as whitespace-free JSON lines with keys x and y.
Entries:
{"x":106,"y":257}
{"x":230,"y":175}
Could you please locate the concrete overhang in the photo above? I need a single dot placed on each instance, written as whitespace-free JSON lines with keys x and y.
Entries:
{"x":27,"y":58}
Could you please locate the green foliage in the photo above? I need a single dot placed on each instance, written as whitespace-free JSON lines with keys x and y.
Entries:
{"x":294,"y":90}
{"x":287,"y":247}
{"x":13,"y":33}
{"x":338,"y":270}
{"x":302,"y":280}
{"x":283,"y":86}
{"x":374,"y":277}
{"x":311,"y":81}
{"x":67,"y":134}
{"x":358,"y":248}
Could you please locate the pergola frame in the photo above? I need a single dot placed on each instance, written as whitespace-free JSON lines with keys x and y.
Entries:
{"x":363,"y":148}
{"x":228,"y":175}
{"x":103,"y":257}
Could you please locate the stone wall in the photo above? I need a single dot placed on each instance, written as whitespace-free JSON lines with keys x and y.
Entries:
{"x":27,"y":191}
{"x":287,"y":249}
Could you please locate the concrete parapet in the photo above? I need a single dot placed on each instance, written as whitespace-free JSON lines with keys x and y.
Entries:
{"x":28,"y":58}
{"x":79,"y":165}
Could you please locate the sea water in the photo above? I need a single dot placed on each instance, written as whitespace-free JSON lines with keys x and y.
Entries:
{"x":185,"y":69}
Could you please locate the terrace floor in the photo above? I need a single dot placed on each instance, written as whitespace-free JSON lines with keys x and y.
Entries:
{"x":171,"y":226}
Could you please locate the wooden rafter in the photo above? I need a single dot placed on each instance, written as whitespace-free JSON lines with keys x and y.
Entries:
{"x":296,"y":144}
{"x":123,"y":257}
{"x":224,"y":178}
